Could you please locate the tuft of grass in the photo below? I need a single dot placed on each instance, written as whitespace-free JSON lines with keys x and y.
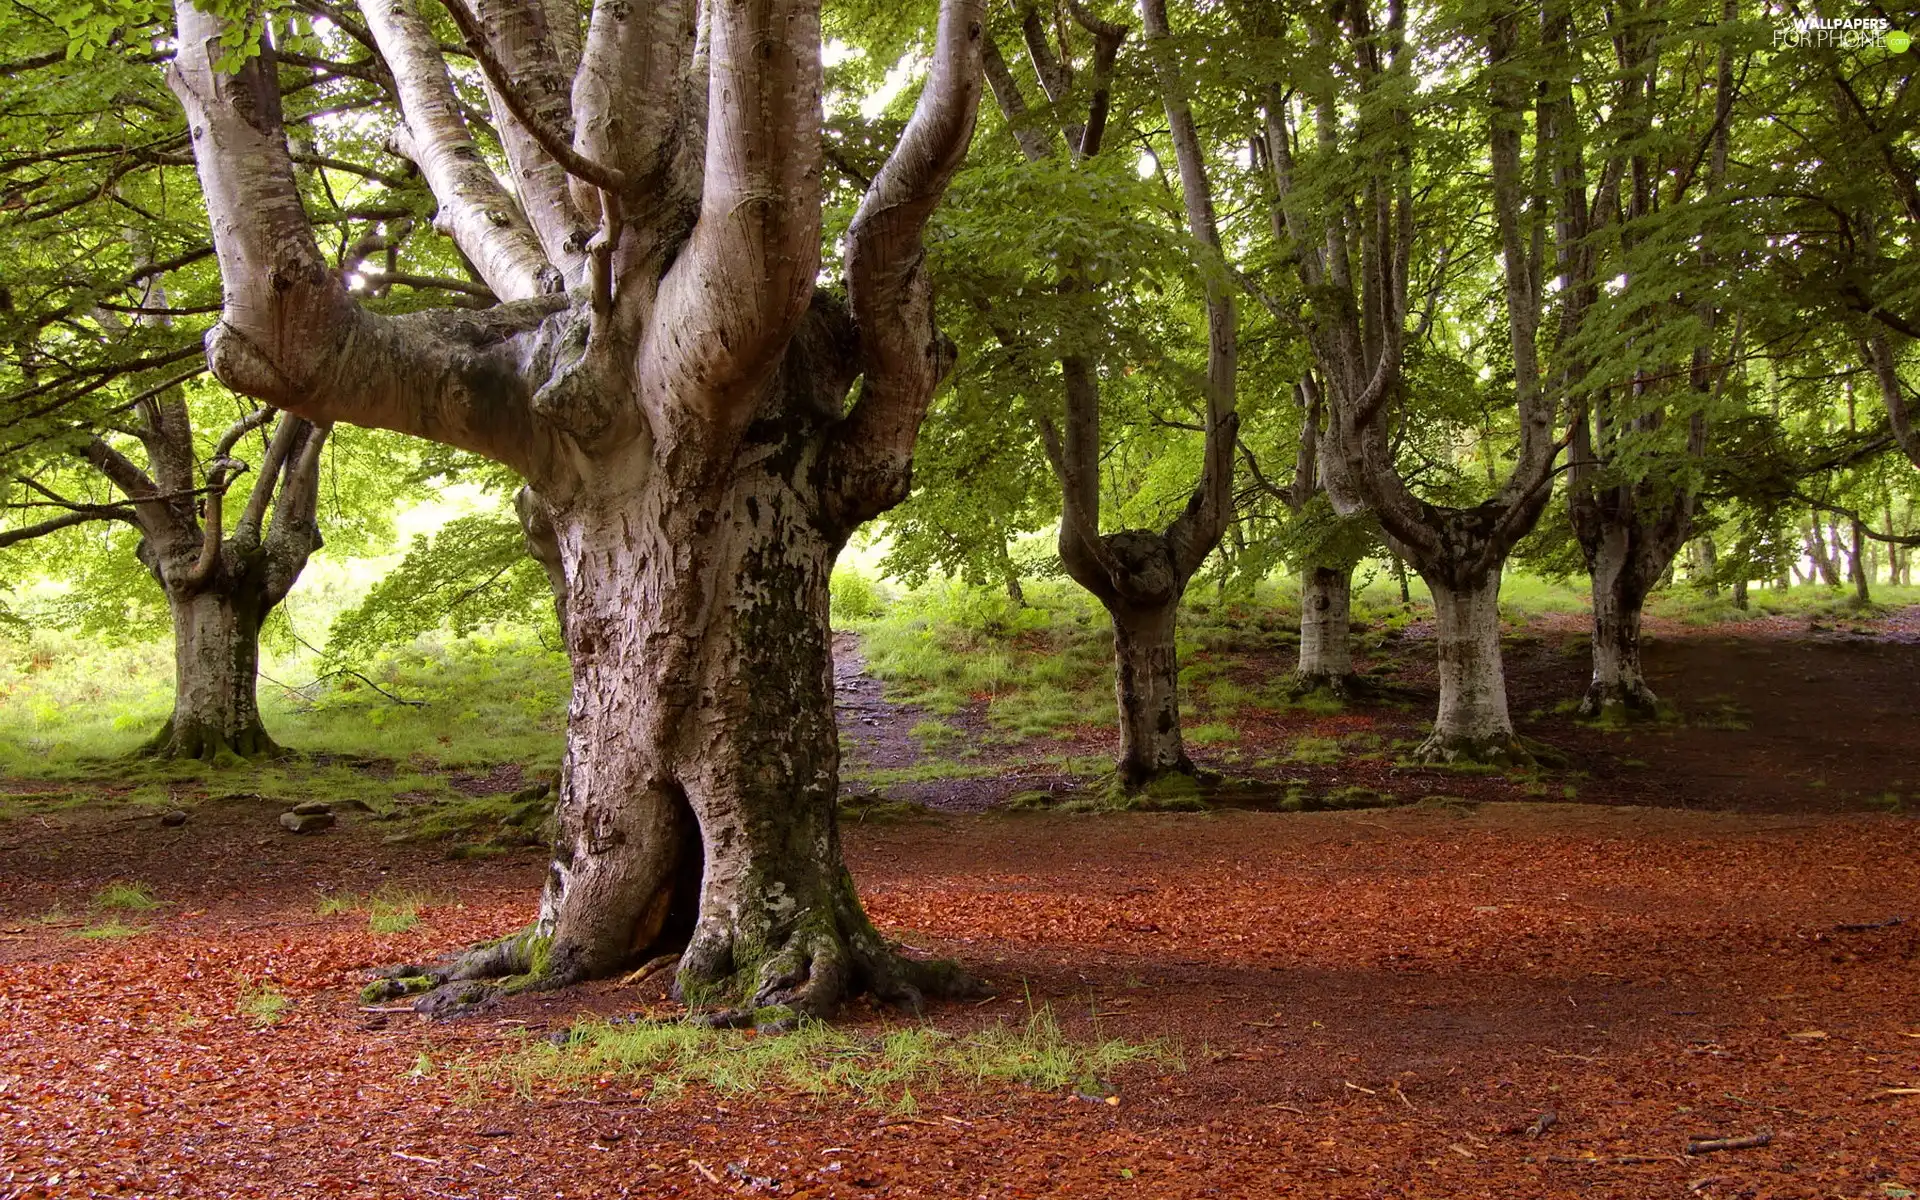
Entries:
{"x":110,"y":929}
{"x":666,"y":1059}
{"x":124,"y":896}
{"x":936,"y":737}
{"x":389,"y":910}
{"x":1315,"y":750}
{"x":394,"y":913}
{"x":262,"y":1004}
{"x":1213,"y":733}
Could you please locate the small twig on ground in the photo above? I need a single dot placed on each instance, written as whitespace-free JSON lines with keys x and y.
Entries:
{"x":650,"y":968}
{"x":419,"y":1158}
{"x":1356,"y":1087}
{"x":701,"y":1167}
{"x":1890,"y":1093}
{"x":1545,"y":1121}
{"x":1863,"y":926}
{"x":1752,"y":1141}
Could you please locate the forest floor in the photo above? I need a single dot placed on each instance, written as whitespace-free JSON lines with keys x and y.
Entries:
{"x":1496,"y":993}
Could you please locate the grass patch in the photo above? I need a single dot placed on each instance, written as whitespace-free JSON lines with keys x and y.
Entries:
{"x":109,"y":930}
{"x":124,"y":897}
{"x":663,"y":1060}
{"x":1316,"y":750}
{"x":262,"y":1004}
{"x":388,"y":910}
{"x":1213,"y":733}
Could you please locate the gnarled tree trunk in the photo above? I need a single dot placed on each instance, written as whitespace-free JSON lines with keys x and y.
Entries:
{"x":675,"y":388}
{"x":1619,"y":690}
{"x":1146,"y":685}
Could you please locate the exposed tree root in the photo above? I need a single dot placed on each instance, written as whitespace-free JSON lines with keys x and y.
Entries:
{"x":1495,"y":750}
{"x":202,"y":743}
{"x":808,"y":971}
{"x":1620,"y":703}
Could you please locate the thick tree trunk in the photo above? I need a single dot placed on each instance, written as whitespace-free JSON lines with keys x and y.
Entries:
{"x":1326,"y":617}
{"x":1619,"y":690}
{"x":1473,"y":724}
{"x":699,"y":790}
{"x":216,"y":663}
{"x":1147,"y":688}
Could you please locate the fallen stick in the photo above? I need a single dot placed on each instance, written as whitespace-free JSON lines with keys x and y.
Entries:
{"x":651,"y":967}
{"x":1863,"y":926}
{"x":1752,"y":1141}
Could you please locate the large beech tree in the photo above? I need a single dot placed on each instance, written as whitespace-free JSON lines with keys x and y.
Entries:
{"x":670,"y":378}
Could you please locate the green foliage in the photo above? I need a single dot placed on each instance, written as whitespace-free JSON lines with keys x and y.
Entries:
{"x":474,"y":571}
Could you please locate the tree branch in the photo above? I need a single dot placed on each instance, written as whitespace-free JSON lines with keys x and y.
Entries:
{"x":475,"y":210}
{"x":887,"y":284}
{"x":10,"y":537}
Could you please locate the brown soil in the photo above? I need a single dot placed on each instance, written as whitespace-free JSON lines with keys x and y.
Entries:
{"x":1370,"y":1004}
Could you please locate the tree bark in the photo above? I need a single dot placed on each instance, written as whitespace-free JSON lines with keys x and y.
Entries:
{"x":1472,"y":724}
{"x":1146,"y":685}
{"x":216,"y":664}
{"x":1326,"y":617}
{"x":1619,"y":690}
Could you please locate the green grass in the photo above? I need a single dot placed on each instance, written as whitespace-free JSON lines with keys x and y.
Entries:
{"x":389,"y":910}
{"x":124,"y":897}
{"x":1315,"y":750}
{"x":885,"y":1070}
{"x":110,"y":929}
{"x":70,"y":707}
{"x":262,"y":1004}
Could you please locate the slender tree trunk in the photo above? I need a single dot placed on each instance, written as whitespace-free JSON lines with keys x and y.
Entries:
{"x":216,"y":663}
{"x":1010,"y":574}
{"x":1146,"y":684}
{"x":1619,"y":689}
{"x":1400,"y":577}
{"x":1473,"y":723}
{"x":1822,"y":561}
{"x":1862,"y":567}
{"x":1740,"y":593}
{"x":1706,"y":566}
{"x":1326,"y":615}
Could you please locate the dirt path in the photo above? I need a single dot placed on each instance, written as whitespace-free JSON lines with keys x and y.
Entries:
{"x":1367,"y":1005}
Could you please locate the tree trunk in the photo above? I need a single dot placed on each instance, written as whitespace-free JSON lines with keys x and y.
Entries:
{"x":1862,"y":566}
{"x":1473,"y":724}
{"x":699,"y":790}
{"x":1822,"y":561}
{"x":1147,"y":688}
{"x":216,"y":662}
{"x":1619,"y":690}
{"x":1326,"y":614}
